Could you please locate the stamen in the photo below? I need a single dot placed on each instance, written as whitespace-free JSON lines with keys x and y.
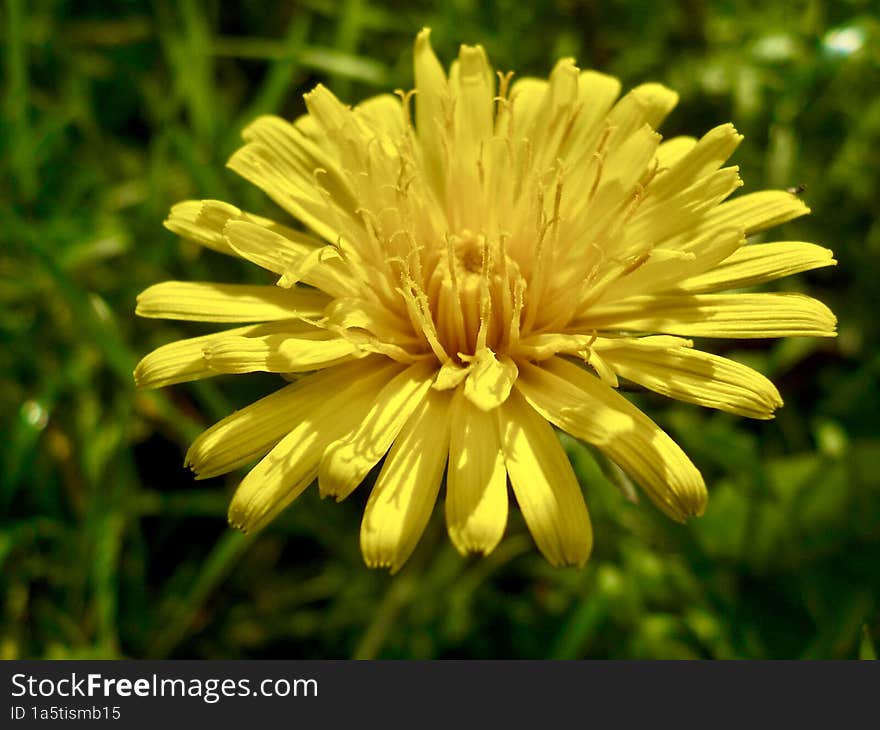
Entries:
{"x":406,"y":103}
{"x":636,"y":263}
{"x":539,"y":274}
{"x":377,"y":254}
{"x":328,"y":199}
{"x":419,"y":311}
{"x":576,"y":110}
{"x":599,"y":158}
{"x":458,"y":325}
{"x":485,"y":297}
{"x":519,"y":288}
{"x":506,"y":296}
{"x":503,"y":85}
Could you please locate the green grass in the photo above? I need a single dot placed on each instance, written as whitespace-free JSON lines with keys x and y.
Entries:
{"x":113,"y":111}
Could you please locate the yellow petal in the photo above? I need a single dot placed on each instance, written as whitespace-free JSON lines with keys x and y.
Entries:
{"x":698,"y":377}
{"x":718,"y":315}
{"x":664,"y":268}
{"x":628,"y":162}
{"x":546,"y":344}
{"x":582,"y":405}
{"x":326,"y":109}
{"x":277,"y":353}
{"x":554,"y":116}
{"x":476,"y":480}
{"x":603,"y":369}
{"x":527,"y":96}
{"x":249,"y":433}
{"x":475,"y":100}
{"x":757,"y":211}
{"x":203,"y":221}
{"x":432,"y":100}
{"x":299,"y":155}
{"x":597,"y":93}
{"x":645,"y":104}
{"x":449,"y":376}
{"x":604,"y":343}
{"x":384,"y":112}
{"x":405,"y":492}
{"x":759,"y":263}
{"x":354,"y":142}
{"x":489,"y":381}
{"x":365,"y":314}
{"x":673,"y":149}
{"x":266,"y":248}
{"x":544,"y":484}
{"x":297,"y":190}
{"x":210,"y":302}
{"x":295,"y":259}
{"x":283,"y":474}
{"x":700,"y":160}
{"x":685,"y":215}
{"x":347,"y":461}
{"x":182,"y":361}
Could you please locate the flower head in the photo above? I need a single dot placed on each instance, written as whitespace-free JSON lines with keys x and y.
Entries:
{"x":487,"y":257}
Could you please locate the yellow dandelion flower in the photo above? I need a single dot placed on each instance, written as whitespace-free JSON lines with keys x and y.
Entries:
{"x":486,"y":258}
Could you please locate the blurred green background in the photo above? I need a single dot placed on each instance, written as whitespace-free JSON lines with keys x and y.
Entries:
{"x":112,"y":111}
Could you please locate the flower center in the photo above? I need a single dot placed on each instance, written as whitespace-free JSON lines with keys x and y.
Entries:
{"x":469,"y":252}
{"x":471,"y":294}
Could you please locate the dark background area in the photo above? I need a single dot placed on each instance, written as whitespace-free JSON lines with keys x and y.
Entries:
{"x":113,"y":111}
